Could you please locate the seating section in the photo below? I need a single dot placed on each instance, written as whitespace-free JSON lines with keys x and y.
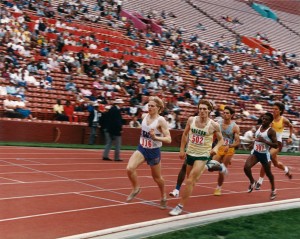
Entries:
{"x":252,"y":23}
{"x":113,"y":44}
{"x":183,"y":13}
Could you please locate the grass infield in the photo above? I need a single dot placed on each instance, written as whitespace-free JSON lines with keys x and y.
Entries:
{"x":124,"y":147}
{"x":272,"y":225}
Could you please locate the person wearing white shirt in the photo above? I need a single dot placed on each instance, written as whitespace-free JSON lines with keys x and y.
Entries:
{"x":3,"y":90}
{"x":249,"y":135}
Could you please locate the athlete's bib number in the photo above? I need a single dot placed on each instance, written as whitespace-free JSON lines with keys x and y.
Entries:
{"x":226,"y":141}
{"x":196,"y":139}
{"x":260,"y":147}
{"x":146,"y":143}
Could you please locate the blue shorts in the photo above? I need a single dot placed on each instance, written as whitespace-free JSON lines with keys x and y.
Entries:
{"x":263,"y":158}
{"x":152,"y":156}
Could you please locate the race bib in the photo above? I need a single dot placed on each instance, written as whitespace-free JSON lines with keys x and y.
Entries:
{"x":260,"y":147}
{"x":197,"y":139}
{"x":146,"y":143}
{"x":226,"y":141}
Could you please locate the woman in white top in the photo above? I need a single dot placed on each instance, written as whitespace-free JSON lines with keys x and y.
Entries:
{"x":154,"y":132}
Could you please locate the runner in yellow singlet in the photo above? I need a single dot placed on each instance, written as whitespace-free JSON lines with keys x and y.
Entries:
{"x":278,"y":125}
{"x":196,"y":148}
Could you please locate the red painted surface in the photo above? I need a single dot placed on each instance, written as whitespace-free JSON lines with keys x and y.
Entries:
{"x":51,"y":193}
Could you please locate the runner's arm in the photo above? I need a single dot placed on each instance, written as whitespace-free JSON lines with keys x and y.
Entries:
{"x":219,"y":137}
{"x":236,"y":142}
{"x":163,"y":127}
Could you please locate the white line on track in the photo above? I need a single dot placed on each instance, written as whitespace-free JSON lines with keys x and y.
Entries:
{"x":14,"y":181}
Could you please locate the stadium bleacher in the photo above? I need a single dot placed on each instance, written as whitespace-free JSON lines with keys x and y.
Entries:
{"x":216,"y":41}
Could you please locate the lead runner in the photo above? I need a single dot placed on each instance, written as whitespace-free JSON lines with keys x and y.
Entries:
{"x":197,"y":140}
{"x":154,"y":132}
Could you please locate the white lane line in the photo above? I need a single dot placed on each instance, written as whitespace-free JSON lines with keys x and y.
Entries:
{"x":79,"y":182}
{"x":9,"y":179}
{"x":61,"y":212}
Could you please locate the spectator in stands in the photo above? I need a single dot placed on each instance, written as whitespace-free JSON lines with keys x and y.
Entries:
{"x":201,"y":27}
{"x":58,"y":109}
{"x":44,"y":84}
{"x":237,"y":21}
{"x":20,"y":108}
{"x":69,"y":111}
{"x":48,"y":77}
{"x":249,"y":135}
{"x":49,"y":10}
{"x":119,"y":7}
{"x":21,"y":92}
{"x":134,"y":123}
{"x":11,"y":89}
{"x":32,"y":67}
{"x":3,"y":90}
{"x":86,"y":92}
{"x":93,"y":121}
{"x":9,"y":106}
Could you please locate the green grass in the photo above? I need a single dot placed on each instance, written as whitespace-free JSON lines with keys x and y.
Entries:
{"x":124,"y":147}
{"x":272,"y":225}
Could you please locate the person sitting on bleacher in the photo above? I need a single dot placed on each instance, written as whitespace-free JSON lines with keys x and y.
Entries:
{"x":9,"y":106}
{"x":58,"y":109}
{"x":20,"y":108}
{"x":249,"y":135}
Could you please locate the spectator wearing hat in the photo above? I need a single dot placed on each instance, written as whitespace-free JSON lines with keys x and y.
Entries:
{"x":104,"y":121}
{"x":114,"y":130}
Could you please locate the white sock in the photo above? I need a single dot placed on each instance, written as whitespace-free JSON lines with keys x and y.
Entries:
{"x":260,"y":180}
{"x":223,"y":167}
{"x":219,"y":187}
{"x":286,"y":169}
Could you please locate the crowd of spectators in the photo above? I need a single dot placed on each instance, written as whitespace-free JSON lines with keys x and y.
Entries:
{"x":29,"y":60}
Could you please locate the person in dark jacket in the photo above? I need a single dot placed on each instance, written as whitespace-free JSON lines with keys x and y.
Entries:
{"x":114,"y":130}
{"x":93,"y":120}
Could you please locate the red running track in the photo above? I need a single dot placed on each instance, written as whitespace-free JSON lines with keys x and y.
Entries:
{"x":52,"y":193}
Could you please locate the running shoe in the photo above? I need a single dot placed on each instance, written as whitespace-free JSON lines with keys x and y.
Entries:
{"x":174,"y":193}
{"x":163,"y":203}
{"x":289,"y":174}
{"x":273,"y":195}
{"x":251,"y":187}
{"x":176,"y":210}
{"x":257,"y":186}
{"x":217,"y":192}
{"x":133,"y":194}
